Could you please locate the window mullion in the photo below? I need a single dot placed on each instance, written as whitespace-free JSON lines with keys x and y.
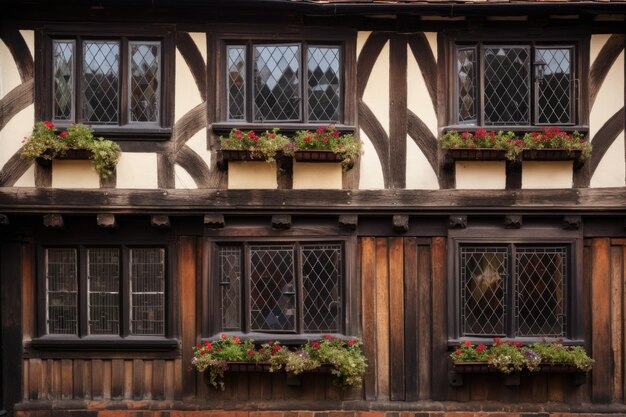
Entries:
{"x":83,"y":293}
{"x":245,"y":290}
{"x":78,"y":82}
{"x":125,"y":292}
{"x":512,"y":293}
{"x":304,"y":82}
{"x":124,"y":81}
{"x":250,"y":84}
{"x":481,"y":84}
{"x":299,"y":304}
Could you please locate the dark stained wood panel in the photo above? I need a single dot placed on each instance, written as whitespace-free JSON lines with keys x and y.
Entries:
{"x":187,"y":314}
{"x":602,"y":376}
{"x":382,"y":317}
{"x":411,"y":334}
{"x":367,"y":249}
{"x":616,"y":309}
{"x":424,"y":322}
{"x":396,"y":319}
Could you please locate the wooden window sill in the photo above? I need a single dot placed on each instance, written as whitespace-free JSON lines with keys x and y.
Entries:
{"x":104,"y":343}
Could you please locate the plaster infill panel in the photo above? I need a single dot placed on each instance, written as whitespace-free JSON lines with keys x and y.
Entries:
{"x":137,"y":170}
{"x":371,"y":171}
{"x":419,"y":173}
{"x":14,"y":132}
{"x":74,"y":174}
{"x":547,"y":174}
{"x":183,"y":179}
{"x":376,"y":94}
{"x":187,"y":95}
{"x":610,"y":98}
{"x":480,"y":175}
{"x":9,"y":75}
{"x":320,"y":176}
{"x":250,"y":175}
{"x":610,"y":170}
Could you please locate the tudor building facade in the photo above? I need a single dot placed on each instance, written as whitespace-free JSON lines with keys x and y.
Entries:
{"x":107,"y":284}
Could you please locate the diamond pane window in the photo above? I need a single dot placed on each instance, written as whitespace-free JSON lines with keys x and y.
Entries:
{"x":63,"y":80}
{"x":484,"y":273}
{"x":147,"y":279}
{"x":553,"y":72}
{"x":229,"y":260}
{"x":236,"y":76}
{"x":324,"y":83}
{"x":61,"y":265}
{"x":322,"y":278}
{"x":277,"y":95}
{"x":101,"y":81}
{"x":145,"y":81}
{"x":103,"y":280}
{"x":466,"y":79}
{"x":541,"y":278}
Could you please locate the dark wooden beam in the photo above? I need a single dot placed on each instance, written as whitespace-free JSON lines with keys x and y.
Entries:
{"x":54,"y":221}
{"x":160,"y":221}
{"x":214,"y":221}
{"x":281,"y":221}
{"x":4,"y":220}
{"x":457,"y":222}
{"x":106,"y":220}
{"x":572,"y":222}
{"x":400,"y":224}
{"x":512,"y":222}
{"x":349,"y":221}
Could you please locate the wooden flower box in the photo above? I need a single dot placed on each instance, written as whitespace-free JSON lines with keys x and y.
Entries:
{"x":317,"y":156}
{"x":70,"y":154}
{"x":265,"y":367}
{"x":472,"y":154}
{"x":554,"y":154}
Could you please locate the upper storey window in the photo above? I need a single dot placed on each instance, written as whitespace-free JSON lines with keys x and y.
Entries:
{"x":283,"y":82}
{"x":519,"y":84}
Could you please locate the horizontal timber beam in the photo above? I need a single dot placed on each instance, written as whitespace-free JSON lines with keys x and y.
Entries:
{"x":403,"y":202}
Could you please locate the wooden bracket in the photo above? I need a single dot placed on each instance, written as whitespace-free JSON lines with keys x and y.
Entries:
{"x":281,"y":221}
{"x":214,"y":221}
{"x":106,"y":221}
{"x":512,"y":222}
{"x":4,"y":220}
{"x":54,"y":221}
{"x":571,"y":222}
{"x":401,"y":224}
{"x":160,"y":221}
{"x":457,"y":222}
{"x":349,"y":221}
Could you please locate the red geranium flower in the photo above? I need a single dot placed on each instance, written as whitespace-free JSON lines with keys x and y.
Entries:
{"x":48,"y":124}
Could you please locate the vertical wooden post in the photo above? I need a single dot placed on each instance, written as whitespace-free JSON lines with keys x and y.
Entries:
{"x":368,"y":279}
{"x":187,"y":277}
{"x":382,"y":317}
{"x":396,"y":318}
{"x":602,"y":375}
{"x":439,"y":319}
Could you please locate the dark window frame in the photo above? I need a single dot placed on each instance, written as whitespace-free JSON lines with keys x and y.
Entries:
{"x":123,"y":340}
{"x":497,"y":37}
{"x":528,"y":239}
{"x":212,"y":319}
{"x":268,"y":35}
{"x":123,"y":130}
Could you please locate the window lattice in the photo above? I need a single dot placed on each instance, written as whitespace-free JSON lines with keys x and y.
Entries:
{"x":145,"y":81}
{"x":322,"y":278}
{"x":63,"y":80}
{"x":61,"y":290}
{"x":466,"y":79}
{"x":324,"y":83}
{"x":484,"y":275}
{"x":236,"y":73}
{"x":272,"y":288}
{"x":553,"y":71}
{"x":540,"y":292}
{"x":147,"y":281}
{"x":103,"y":280}
{"x":101,"y":78}
{"x":277,"y":83}
{"x":507,"y":85}
{"x":229,"y":260}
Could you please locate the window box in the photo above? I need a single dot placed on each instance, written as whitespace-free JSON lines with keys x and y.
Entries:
{"x":317,"y":156}
{"x":70,"y":154}
{"x":263,"y":367}
{"x":239,"y":155}
{"x":554,"y":154}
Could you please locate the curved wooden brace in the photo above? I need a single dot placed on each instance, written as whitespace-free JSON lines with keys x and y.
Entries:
{"x":15,"y":101}
{"x":189,"y":125}
{"x":13,"y":169}
{"x":604,"y":138}
{"x":367,"y":58}
{"x":375,"y":132}
{"x":423,"y":138}
{"x":193,"y":58}
{"x":13,"y":39}
{"x":602,"y":65}
{"x":426,"y":61}
{"x":194,"y":165}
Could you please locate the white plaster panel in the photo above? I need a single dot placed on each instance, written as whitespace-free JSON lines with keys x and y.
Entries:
{"x":419,"y":173}
{"x":199,"y":38}
{"x":610,"y":98}
{"x":376,"y":94}
{"x":9,"y":75}
{"x":137,"y":170}
{"x":28,"y":179}
{"x":29,"y":38}
{"x":251,"y":175}
{"x":595,"y":46}
{"x":480,"y":175}
{"x":74,"y":174}
{"x":14,"y":132}
{"x":371,"y":169}
{"x":431,"y":37}
{"x":361,"y":38}
{"x":187,"y":94}
{"x":418,"y":99}
{"x":198,"y":143}
{"x":610,"y":170}
{"x":183,"y":179}
{"x":317,"y":176}
{"x":535,"y":173}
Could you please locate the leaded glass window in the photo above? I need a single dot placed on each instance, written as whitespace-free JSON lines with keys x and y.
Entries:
{"x":147,"y":286}
{"x":289,"y":82}
{"x":288,"y":287}
{"x":62,"y":290}
{"x":514,"y":85}
{"x":145,"y":81}
{"x":103,"y":279}
{"x":63,"y":80}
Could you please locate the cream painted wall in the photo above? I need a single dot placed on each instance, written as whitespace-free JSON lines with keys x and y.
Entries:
{"x":137,"y":170}
{"x":418,"y":99}
{"x":251,"y":175}
{"x":610,"y":98}
{"x":74,"y":174}
{"x":320,"y":176}
{"x":376,"y":94}
{"x":28,"y":179}
{"x":610,"y":171}
{"x":183,"y":179}
{"x":371,"y":172}
{"x":198,"y":143}
{"x":547,"y":174}
{"x":419,"y":173}
{"x":199,"y":39}
{"x":480,"y":175}
{"x":14,"y":132}
{"x":187,"y":95}
{"x":9,"y":76}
